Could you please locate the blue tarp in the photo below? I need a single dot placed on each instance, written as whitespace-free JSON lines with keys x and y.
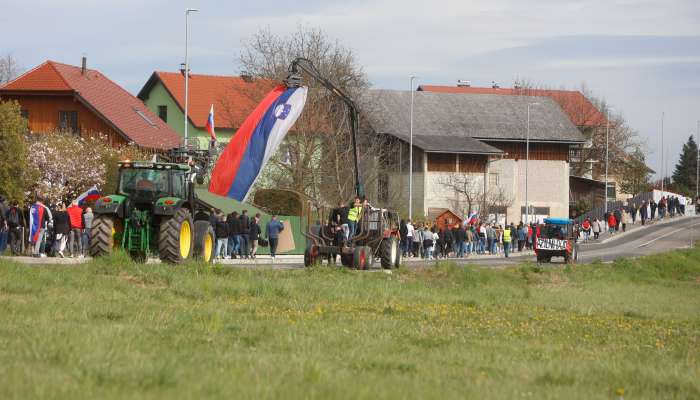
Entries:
{"x":558,"y":221}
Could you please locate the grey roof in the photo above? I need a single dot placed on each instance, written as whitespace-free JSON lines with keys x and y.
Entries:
{"x":452,"y":144}
{"x":441,"y":118}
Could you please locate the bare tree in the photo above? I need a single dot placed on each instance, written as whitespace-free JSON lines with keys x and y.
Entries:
{"x":9,"y":69}
{"x":316,"y":157}
{"x":468,"y":190}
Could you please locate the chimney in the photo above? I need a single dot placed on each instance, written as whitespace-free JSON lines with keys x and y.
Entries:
{"x":84,"y":66}
{"x":495,"y":85}
{"x":463,"y":83}
{"x":246,"y":76}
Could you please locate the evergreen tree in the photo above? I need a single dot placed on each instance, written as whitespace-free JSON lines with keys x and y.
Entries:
{"x":13,"y":152}
{"x":685,"y":172}
{"x":635,"y":174}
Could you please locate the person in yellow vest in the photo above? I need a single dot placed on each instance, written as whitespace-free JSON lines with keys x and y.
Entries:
{"x":507,"y":240}
{"x":354,"y":216}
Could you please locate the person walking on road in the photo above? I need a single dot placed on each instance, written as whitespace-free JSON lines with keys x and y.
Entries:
{"x":625,"y":219}
{"x":255,"y":234}
{"x":87,"y":226}
{"x":272,"y":231}
{"x":244,"y":251}
{"x":410,"y":232}
{"x":447,"y":241}
{"x":4,"y":227}
{"x":61,"y":228}
{"x":75,"y":241}
{"x":586,"y":227}
{"x":221,"y":231}
{"x":612,"y":222}
{"x":643,"y":213}
{"x":652,"y":207}
{"x":15,"y":222}
{"x":506,"y":241}
{"x":460,"y":239}
{"x":234,"y":234}
{"x":596,"y":228}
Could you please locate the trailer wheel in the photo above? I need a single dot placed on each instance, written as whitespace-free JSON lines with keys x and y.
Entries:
{"x":310,"y":256}
{"x":370,"y":257}
{"x":175,"y":238}
{"x":359,"y":259}
{"x":389,"y":253}
{"x":204,"y":241}
{"x":102,"y":235}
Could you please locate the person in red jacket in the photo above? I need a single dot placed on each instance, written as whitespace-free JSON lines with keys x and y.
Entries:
{"x":612,"y":222}
{"x":75,"y":243}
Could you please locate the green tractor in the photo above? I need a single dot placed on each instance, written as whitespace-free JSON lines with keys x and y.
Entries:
{"x":156,"y":211}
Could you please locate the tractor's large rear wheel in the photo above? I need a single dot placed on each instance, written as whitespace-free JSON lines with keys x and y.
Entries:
{"x":204,"y":241}
{"x":102,"y":235}
{"x":389,"y":252}
{"x":176,"y":238}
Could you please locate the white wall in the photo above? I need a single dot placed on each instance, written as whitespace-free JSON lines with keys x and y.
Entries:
{"x":548,"y":184}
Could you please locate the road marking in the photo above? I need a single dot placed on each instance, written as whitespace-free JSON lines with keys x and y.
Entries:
{"x":666,"y":235}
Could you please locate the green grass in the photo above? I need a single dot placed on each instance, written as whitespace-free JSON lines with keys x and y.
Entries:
{"x":114,"y":329}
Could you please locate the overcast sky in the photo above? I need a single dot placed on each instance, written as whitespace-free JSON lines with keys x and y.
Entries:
{"x":642,"y":56}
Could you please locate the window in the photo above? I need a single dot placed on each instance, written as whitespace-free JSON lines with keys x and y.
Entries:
{"x":612,"y":193}
{"x":472,"y":163}
{"x":25,"y":113}
{"x":493,"y":179}
{"x":68,"y":121}
{"x":163,"y":113}
{"x":442,"y":162}
{"x":145,"y":117}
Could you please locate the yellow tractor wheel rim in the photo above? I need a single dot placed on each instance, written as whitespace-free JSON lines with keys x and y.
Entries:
{"x":185,"y":239}
{"x":208,"y":247}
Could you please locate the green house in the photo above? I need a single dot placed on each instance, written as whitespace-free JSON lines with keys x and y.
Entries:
{"x":233,"y":98}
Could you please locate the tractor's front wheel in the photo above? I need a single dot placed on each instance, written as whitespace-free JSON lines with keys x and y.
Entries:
{"x":102,"y":235}
{"x":204,"y":241}
{"x":176,"y":238}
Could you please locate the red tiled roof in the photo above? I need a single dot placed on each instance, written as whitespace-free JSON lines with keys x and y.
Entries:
{"x":233,"y":97}
{"x":124,"y":112}
{"x":578,"y":108}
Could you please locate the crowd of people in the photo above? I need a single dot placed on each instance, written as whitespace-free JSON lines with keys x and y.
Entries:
{"x":620,"y":218}
{"x":431,"y":241}
{"x":238,"y":235}
{"x":41,"y":231}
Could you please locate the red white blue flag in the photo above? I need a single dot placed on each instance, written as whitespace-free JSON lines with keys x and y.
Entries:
{"x":256,"y":141}
{"x":210,"y":123}
{"x":91,"y":194}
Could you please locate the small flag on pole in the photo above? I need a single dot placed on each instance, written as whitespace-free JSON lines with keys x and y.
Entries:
{"x":91,"y":194}
{"x":210,"y":123}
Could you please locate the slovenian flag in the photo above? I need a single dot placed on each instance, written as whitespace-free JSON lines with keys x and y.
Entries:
{"x":210,"y":123}
{"x":256,"y":141}
{"x":473,"y":218}
{"x":37,"y":213}
{"x":91,"y":194}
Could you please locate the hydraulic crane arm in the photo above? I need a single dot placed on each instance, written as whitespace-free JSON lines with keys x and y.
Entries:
{"x":294,"y":80}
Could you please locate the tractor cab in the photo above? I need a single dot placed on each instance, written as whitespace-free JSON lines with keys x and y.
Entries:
{"x":145,"y":182}
{"x":556,"y":238}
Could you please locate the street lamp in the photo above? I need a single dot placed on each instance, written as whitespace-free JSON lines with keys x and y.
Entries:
{"x":187,"y":65}
{"x":527,"y":161}
{"x":410,"y":158}
{"x":663,"y":166}
{"x":607,"y":152}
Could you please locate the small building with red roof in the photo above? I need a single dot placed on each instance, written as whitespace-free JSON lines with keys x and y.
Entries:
{"x":233,"y":98}
{"x":55,"y":96}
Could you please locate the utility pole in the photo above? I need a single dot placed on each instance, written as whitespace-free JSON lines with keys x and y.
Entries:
{"x":663,"y":166}
{"x":607,"y":152}
{"x":187,"y":63}
{"x":527,"y":161}
{"x":410,"y":158}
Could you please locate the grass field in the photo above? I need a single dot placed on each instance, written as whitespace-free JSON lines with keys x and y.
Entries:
{"x":115,"y":329}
